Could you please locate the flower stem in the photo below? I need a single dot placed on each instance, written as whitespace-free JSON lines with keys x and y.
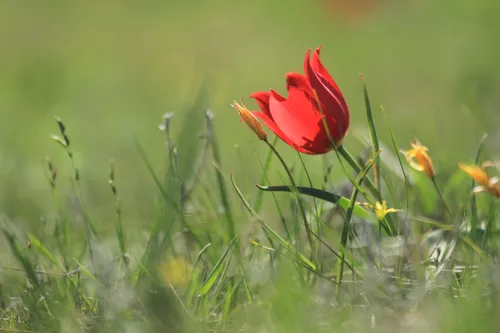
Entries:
{"x":343,"y":241}
{"x":357,"y":168}
{"x":301,"y":206}
{"x":441,"y":197}
{"x":367,"y":181}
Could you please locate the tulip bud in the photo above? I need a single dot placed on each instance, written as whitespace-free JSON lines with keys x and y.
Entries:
{"x":481,"y":177}
{"x":418,"y":159}
{"x":251,"y":120}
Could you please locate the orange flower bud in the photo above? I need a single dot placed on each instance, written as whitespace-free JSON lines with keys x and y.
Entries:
{"x":418,"y":159}
{"x":251,"y":120}
{"x":480,"y":176}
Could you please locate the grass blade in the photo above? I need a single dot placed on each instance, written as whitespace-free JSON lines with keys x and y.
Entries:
{"x":263,"y":178}
{"x":86,"y":271}
{"x":21,"y":257}
{"x":163,"y":191}
{"x":396,"y":150}
{"x":271,"y":232}
{"x":187,"y":144}
{"x":36,"y":243}
{"x":473,"y":203}
{"x":213,"y":275}
{"x":373,"y":135}
{"x":320,"y":194}
{"x":195,"y":276}
{"x":347,"y":223}
{"x":222,"y":188}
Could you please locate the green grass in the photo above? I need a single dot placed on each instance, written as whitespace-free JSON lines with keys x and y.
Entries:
{"x":205,"y":265}
{"x":115,"y":226}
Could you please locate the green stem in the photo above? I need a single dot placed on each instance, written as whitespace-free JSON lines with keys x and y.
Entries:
{"x":373,"y":135}
{"x":357,"y":168}
{"x":367,"y":181}
{"x":473,"y":203}
{"x":343,"y":239}
{"x":301,"y":206}
{"x":442,"y":198}
{"x":347,"y":223}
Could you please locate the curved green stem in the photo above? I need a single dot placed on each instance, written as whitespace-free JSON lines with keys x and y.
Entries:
{"x":448,"y":211}
{"x":301,"y":206}
{"x":357,"y":168}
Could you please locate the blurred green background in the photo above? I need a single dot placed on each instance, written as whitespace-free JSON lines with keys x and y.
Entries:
{"x":111,"y":69}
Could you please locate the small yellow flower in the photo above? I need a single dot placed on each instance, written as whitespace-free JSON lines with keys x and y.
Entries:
{"x":251,"y":120}
{"x":480,"y":176}
{"x":176,"y":271}
{"x":381,"y":209}
{"x":418,"y":159}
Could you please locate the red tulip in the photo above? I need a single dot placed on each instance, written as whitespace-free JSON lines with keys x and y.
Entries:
{"x":297,"y":120}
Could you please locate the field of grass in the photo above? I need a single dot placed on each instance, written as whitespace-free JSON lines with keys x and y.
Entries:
{"x":110,"y":224}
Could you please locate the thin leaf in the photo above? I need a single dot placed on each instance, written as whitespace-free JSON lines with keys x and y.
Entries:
{"x":263,"y":178}
{"x":254,"y":242}
{"x":195,"y":276}
{"x":272,"y":233}
{"x":488,"y":234}
{"x":21,"y":257}
{"x":86,"y":271}
{"x":347,"y":223}
{"x":163,"y":191}
{"x":431,"y":222}
{"x":36,"y":243}
{"x":320,"y":194}
{"x":222,"y":188}
{"x":396,"y":149}
{"x":59,"y":140}
{"x":473,"y":203}
{"x":373,"y":135}
{"x":473,"y":246}
{"x":212,"y":276}
{"x":187,"y":143}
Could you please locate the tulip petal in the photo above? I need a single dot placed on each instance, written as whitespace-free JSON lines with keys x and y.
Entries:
{"x":299,"y":119}
{"x":268,"y":121}
{"x":262,"y":99}
{"x":279,"y":133}
{"x":298,"y":81}
{"x":477,"y":173}
{"x":318,"y":67}
{"x":336,"y":114}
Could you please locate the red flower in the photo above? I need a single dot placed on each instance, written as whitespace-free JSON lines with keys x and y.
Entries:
{"x":297,"y":120}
